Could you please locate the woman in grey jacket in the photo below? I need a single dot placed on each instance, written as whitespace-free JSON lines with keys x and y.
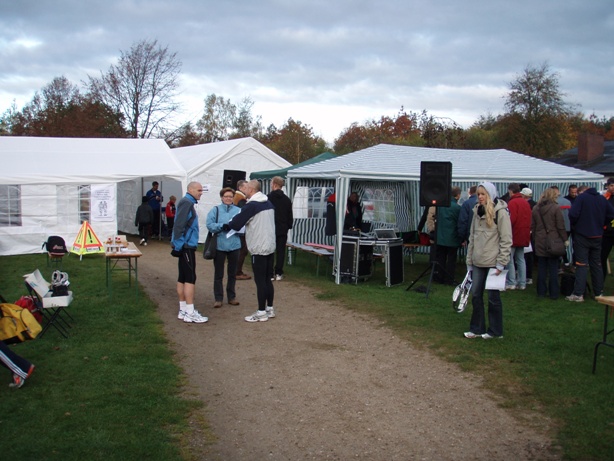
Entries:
{"x":490,"y":244}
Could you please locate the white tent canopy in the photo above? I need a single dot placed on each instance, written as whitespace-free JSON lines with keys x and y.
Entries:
{"x":386,"y":164}
{"x":46,"y":186}
{"x":210,"y":165}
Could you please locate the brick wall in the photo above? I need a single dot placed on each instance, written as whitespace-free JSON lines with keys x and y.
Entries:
{"x":590,"y":147}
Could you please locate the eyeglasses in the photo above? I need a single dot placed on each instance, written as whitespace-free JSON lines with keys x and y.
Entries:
{"x":228,"y":196}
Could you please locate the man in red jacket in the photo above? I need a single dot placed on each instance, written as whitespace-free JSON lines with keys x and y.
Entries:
{"x":520,"y":215}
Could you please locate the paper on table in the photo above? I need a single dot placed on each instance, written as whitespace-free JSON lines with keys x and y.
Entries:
{"x":496,"y":282}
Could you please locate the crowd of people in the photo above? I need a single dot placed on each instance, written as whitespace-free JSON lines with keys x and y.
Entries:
{"x":571,"y":234}
{"x":508,"y":235}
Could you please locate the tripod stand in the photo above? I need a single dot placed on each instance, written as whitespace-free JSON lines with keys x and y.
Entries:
{"x":434,"y":264}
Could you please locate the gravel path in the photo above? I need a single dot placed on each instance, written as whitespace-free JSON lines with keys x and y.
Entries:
{"x":320,"y":382}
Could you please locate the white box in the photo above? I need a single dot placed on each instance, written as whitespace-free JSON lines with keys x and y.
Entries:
{"x":41,"y":286}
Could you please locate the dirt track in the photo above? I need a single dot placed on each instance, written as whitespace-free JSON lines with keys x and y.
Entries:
{"x":321,"y":382}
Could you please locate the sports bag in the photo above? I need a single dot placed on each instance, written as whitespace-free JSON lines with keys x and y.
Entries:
{"x":210,"y":246}
{"x":27,"y":302}
{"x":17,"y":324}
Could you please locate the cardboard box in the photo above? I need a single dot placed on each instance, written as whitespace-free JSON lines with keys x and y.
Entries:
{"x":42,"y":288}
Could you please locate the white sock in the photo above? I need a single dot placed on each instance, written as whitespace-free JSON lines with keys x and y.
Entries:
{"x":269,"y":308}
{"x":182,"y":305}
{"x":189,"y":308}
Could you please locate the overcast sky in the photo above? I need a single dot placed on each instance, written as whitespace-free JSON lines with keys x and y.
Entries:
{"x":325,"y":63}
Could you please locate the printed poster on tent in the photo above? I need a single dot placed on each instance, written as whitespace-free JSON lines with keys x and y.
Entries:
{"x":102,"y":200}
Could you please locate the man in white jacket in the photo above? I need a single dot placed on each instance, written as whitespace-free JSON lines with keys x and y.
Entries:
{"x":258,"y":217}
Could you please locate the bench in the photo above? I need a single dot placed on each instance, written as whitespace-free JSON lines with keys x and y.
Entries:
{"x":319,"y":251}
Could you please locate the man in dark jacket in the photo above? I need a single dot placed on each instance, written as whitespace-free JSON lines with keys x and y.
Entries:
{"x":240,"y":200}
{"x":466,"y":215}
{"x":144,"y":219}
{"x":283,"y":223}
{"x":588,"y":214}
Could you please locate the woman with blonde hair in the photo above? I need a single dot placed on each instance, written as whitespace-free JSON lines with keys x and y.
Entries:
{"x":490,"y":245}
{"x":547,"y":222}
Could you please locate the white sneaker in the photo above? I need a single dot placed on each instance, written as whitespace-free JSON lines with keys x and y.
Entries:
{"x":142,"y":241}
{"x":270,"y":312}
{"x":195,"y":317}
{"x":471,"y":335}
{"x":258,"y":316}
{"x":181,"y":314}
{"x":145,"y":243}
{"x":510,"y":287}
{"x":487,"y":336}
{"x":529,"y":281}
{"x":279,"y":277}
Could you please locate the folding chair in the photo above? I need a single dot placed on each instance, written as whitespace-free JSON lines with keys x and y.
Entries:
{"x":52,"y":316}
{"x":56,"y":249}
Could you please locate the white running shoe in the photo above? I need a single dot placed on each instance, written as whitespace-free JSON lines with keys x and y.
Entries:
{"x":181,"y":314}
{"x":279,"y":277}
{"x":195,"y":317}
{"x":142,"y":241}
{"x":145,"y":243}
{"x":258,"y":316}
{"x":471,"y":335}
{"x":270,"y":312}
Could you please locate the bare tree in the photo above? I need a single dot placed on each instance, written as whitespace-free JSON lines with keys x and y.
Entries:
{"x":142,"y":86}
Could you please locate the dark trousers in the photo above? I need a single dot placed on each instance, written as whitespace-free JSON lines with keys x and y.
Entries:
{"x":155,"y":226}
{"x":607,"y":242}
{"x":587,"y":254}
{"x":263,"y":272}
{"x":144,"y":230}
{"x":548,"y":276}
{"x":446,"y":264}
{"x":242,"y":254}
{"x":280,"y":251}
{"x":495,"y":307}
{"x":9,"y":359}
{"x":218,"y":279}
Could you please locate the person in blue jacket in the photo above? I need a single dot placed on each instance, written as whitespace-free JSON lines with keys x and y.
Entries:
{"x":184,"y":243}
{"x":228,"y":248}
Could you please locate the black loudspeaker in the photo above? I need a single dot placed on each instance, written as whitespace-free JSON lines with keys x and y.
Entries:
{"x":435,"y":183}
{"x":231,"y":177}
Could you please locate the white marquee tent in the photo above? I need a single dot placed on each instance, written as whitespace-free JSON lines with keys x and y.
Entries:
{"x":49,"y":185}
{"x":389,"y":175}
{"x":216,"y":165}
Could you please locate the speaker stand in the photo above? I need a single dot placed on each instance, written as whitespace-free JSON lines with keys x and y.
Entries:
{"x":433,"y":264}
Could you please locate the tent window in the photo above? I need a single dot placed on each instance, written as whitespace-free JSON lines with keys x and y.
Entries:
{"x":310,"y":202}
{"x":84,"y":203}
{"x":378,"y":206}
{"x":10,"y":206}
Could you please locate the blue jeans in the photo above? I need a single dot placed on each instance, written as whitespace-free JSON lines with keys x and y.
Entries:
{"x":495,"y":307}
{"x":548,"y":276}
{"x":587,"y":253}
{"x":517,"y":268}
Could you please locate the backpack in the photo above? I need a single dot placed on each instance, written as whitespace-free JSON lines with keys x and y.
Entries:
{"x":17,"y":324}
{"x":27,"y":302}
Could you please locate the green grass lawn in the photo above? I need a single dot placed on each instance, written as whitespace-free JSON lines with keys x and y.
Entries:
{"x":112,"y":391}
{"x":109,"y":392}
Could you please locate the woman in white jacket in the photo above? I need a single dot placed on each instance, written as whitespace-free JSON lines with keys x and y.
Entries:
{"x":490,"y":245}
